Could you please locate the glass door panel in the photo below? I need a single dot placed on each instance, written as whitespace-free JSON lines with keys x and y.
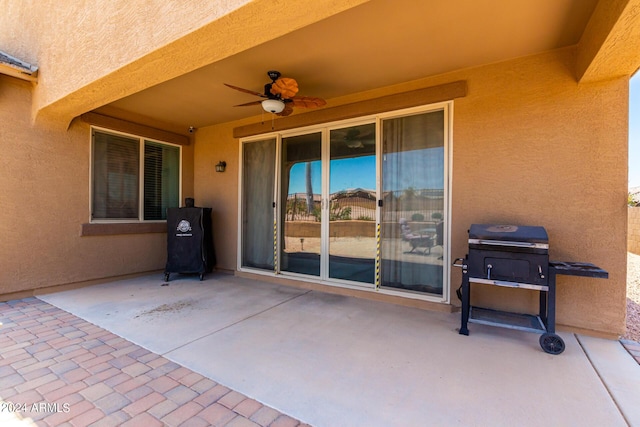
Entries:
{"x":352,"y":203}
{"x":413,"y":213}
{"x":301,"y":193}
{"x":258,"y":176}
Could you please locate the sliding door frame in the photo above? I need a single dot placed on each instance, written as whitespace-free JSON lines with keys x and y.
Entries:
{"x":447,"y":108}
{"x":324,"y":129}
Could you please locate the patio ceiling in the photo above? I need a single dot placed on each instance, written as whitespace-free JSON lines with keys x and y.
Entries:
{"x":377,"y":44}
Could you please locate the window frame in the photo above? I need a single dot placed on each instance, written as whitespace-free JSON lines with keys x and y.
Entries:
{"x":141,"y":147}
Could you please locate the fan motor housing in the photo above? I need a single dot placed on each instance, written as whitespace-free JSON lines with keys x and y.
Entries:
{"x":274,"y":75}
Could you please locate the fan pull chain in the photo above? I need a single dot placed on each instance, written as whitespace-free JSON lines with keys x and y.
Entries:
{"x":273,"y":117}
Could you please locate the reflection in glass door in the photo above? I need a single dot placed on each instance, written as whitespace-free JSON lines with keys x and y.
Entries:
{"x":301,"y":213}
{"x":344,"y":192}
{"x":352,"y":203}
{"x":413,"y":213}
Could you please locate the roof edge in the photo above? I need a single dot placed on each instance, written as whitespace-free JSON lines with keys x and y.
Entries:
{"x":14,"y":67}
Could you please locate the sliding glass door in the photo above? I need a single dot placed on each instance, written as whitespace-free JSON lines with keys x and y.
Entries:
{"x":413,"y":213}
{"x":329,"y":204}
{"x":301,"y":201}
{"x":357,"y":204}
{"x":257,"y":210}
{"x":352,"y":203}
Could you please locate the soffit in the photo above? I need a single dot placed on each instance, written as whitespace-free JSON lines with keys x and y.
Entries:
{"x":377,"y":44}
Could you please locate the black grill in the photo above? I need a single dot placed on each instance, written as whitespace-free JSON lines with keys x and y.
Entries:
{"x":510,"y":253}
{"x":516,"y":256}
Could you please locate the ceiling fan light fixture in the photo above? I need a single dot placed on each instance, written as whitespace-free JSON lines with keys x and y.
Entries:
{"x":274,"y":106}
{"x":355,"y":144}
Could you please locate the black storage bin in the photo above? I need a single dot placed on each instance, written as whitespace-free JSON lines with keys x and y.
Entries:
{"x":189,"y":241}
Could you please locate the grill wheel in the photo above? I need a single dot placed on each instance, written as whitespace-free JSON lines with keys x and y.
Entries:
{"x":552,"y":343}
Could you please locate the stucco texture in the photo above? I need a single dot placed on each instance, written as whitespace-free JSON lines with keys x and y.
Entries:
{"x":530,"y":146}
{"x":219,"y":190}
{"x":533,"y":147}
{"x":90,"y":66}
{"x":45,"y":199}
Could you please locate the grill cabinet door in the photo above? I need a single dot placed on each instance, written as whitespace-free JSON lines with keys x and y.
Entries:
{"x":509,"y":266}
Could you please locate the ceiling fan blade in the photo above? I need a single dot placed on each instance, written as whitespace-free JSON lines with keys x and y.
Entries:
{"x":247,"y":104}
{"x":308,"y":101}
{"x":250,"y":92}
{"x":285,"y":87}
{"x":288,"y":109}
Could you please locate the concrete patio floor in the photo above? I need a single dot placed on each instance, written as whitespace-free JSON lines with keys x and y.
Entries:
{"x":330,"y":360}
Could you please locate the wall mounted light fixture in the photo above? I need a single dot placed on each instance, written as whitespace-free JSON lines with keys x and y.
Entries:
{"x":221,"y":166}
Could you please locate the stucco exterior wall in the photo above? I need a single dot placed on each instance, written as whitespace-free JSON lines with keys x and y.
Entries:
{"x":219,"y":190}
{"x":533,"y":147}
{"x":530,"y":146}
{"x":84,"y":64}
{"x":44,"y":195}
{"x":72,"y":59}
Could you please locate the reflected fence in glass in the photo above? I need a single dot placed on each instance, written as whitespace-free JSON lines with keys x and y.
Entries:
{"x":413,"y":203}
{"x":352,"y":203}
{"x":301,"y":183}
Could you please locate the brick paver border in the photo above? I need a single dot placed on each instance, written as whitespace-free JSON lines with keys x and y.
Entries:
{"x":60,"y":370}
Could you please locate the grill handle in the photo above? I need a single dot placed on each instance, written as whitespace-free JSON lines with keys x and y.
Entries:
{"x":459,"y":262}
{"x":509,"y":243}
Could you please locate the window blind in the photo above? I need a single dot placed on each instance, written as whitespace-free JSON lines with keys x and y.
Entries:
{"x":116,"y":161}
{"x":161,"y":181}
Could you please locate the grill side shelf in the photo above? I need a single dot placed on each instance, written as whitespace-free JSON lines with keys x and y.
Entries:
{"x":583,"y":269}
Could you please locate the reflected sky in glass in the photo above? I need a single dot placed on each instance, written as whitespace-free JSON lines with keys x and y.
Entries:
{"x":346,"y":175}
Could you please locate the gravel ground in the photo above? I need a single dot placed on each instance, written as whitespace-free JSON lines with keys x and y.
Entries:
{"x":633,"y":298}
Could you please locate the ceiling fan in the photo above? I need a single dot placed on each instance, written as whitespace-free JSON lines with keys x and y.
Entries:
{"x":280,"y":96}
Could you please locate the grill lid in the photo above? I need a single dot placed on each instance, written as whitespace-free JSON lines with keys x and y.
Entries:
{"x":522,"y":236}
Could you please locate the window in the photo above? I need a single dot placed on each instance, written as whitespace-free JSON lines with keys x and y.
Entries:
{"x":133,"y":178}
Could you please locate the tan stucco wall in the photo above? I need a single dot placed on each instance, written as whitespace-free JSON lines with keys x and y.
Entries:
{"x":530,"y":146}
{"x":44,"y":199}
{"x":219,"y":191}
{"x":608,"y":46}
{"x":86,"y":65}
